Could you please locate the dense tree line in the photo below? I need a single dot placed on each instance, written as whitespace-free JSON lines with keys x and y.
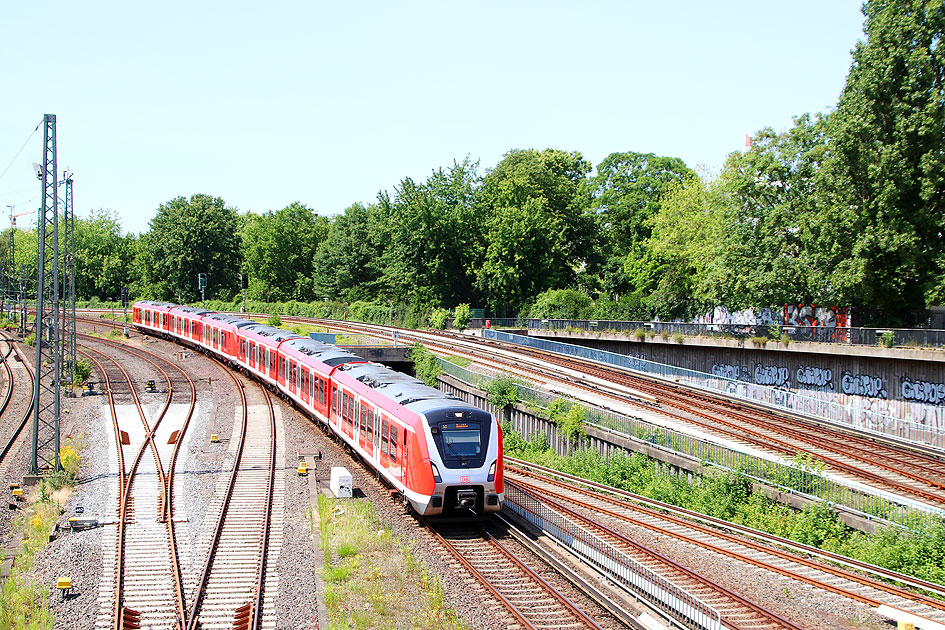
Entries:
{"x":843,"y":208}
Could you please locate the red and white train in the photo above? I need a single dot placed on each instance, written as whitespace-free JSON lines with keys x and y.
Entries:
{"x":443,"y":455}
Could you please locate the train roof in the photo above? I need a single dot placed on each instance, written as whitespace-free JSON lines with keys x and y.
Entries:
{"x":402,"y":388}
{"x":193,"y":310}
{"x":239,"y":322}
{"x":276,"y":334}
{"x":167,"y":305}
{"x":328,"y":354}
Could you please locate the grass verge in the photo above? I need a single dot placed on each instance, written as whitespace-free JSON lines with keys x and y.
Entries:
{"x":373,"y":580}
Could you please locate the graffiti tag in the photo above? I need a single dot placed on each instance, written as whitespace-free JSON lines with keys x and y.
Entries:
{"x":772,"y":375}
{"x":922,"y":391}
{"x":815,"y":377}
{"x":725,"y":370}
{"x":862,"y":385}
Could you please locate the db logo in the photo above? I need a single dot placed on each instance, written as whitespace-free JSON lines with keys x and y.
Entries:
{"x":464,"y":479}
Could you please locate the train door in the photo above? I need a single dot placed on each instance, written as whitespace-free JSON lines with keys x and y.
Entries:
{"x":403,"y":456}
{"x":362,"y":426}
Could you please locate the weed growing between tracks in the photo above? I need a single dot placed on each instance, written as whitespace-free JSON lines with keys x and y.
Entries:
{"x":372,"y":579}
{"x":24,"y":604}
{"x":919,"y":551}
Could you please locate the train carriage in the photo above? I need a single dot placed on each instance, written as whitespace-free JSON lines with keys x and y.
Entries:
{"x":218,"y":333}
{"x":317,"y":362}
{"x":443,"y":455}
{"x":153,"y":316}
{"x":258,"y":350}
{"x":187,"y":322}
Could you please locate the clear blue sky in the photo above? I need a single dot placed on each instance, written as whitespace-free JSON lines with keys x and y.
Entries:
{"x":327,"y":104}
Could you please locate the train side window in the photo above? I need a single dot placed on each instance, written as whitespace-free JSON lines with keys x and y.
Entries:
{"x":394,"y":436}
{"x":385,"y":441}
{"x":363,"y":420}
{"x":370,"y":426}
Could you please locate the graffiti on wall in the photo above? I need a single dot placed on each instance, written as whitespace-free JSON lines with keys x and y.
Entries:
{"x":862,"y":385}
{"x":815,"y":378}
{"x":835,"y":318}
{"x":772,"y":375}
{"x":637,"y":361}
{"x":922,"y":391}
{"x":733,"y":372}
{"x":748,"y":317}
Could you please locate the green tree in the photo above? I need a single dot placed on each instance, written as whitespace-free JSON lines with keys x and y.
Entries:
{"x":677,"y":271}
{"x":346,"y":260}
{"x":771,"y":210}
{"x":884,"y":178}
{"x":279,"y":250}
{"x":429,"y":228}
{"x":104,"y":256}
{"x":538,"y":231}
{"x":187,"y":237}
{"x":626,"y":192}
{"x":562,"y":304}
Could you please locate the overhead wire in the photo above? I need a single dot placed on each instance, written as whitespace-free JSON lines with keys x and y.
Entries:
{"x":21,"y":150}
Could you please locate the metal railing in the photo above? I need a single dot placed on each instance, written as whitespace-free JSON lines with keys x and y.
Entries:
{"x":908,"y":337}
{"x":802,"y":403}
{"x":617,"y":565}
{"x":798,"y":477}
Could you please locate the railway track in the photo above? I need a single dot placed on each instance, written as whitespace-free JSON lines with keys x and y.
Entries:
{"x":147,"y":586}
{"x":17,"y":427}
{"x":529,"y":599}
{"x":237,"y":586}
{"x":618,"y":514}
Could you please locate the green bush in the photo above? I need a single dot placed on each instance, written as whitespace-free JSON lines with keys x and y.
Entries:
{"x":438,"y":318}
{"x":570,"y":419}
{"x":461,"y":317}
{"x":30,"y":339}
{"x":274,"y":320}
{"x":425,"y":365}
{"x":502,"y":392}
{"x":562,"y":304}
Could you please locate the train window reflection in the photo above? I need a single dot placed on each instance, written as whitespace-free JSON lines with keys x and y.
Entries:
{"x":461,"y":442}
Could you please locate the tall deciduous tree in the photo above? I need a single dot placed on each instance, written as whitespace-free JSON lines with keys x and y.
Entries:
{"x":187,"y":237}
{"x":539,"y":232}
{"x":771,"y":204}
{"x":104,"y":256}
{"x":885,"y":176}
{"x":346,"y":261}
{"x":430,"y":229}
{"x":279,"y":252}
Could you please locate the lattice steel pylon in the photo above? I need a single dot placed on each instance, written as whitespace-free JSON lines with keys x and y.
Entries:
{"x":68,"y":286}
{"x":45,"y":456}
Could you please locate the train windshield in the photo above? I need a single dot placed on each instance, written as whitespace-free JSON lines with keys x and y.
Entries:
{"x":461,"y":442}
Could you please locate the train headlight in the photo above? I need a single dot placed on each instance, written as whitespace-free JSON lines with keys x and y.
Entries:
{"x":491,"y":476}
{"x":436,"y":473}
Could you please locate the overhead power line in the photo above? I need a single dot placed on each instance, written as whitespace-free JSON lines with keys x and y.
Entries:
{"x":21,"y":150}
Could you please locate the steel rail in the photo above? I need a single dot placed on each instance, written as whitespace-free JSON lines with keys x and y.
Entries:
{"x":820,"y":584}
{"x":514,"y":610}
{"x":659,"y":509}
{"x":129,"y":480}
{"x":200,"y":593}
{"x":29,"y":410}
{"x":737,"y":598}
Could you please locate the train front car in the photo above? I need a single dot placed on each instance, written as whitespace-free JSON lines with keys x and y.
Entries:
{"x":455,"y":467}
{"x":465,"y":448}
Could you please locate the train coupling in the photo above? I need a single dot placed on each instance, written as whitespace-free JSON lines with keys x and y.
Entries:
{"x":466,"y":499}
